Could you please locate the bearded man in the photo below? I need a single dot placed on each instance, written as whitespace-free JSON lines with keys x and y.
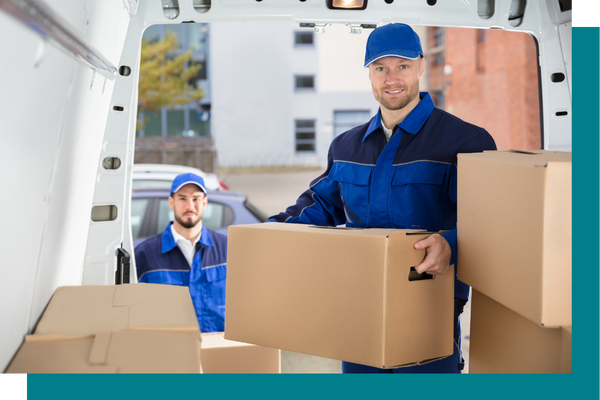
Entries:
{"x":189,"y":254}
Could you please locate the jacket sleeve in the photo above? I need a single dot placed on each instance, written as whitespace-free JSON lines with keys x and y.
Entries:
{"x":141,"y":263}
{"x":320,"y":205}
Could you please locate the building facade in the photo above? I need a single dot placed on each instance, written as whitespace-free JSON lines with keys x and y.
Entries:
{"x":488,"y":78}
{"x":281,"y":93}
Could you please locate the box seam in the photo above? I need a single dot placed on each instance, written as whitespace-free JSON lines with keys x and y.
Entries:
{"x":384,"y":299}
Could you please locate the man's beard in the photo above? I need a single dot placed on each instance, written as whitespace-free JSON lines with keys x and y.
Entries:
{"x":401,"y":102}
{"x":189,"y":223}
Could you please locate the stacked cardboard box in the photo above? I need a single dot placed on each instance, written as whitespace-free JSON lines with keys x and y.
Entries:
{"x":503,"y":341}
{"x":345,"y":294}
{"x":514,"y":249}
{"x":126,"y":328}
{"x":222,"y":356}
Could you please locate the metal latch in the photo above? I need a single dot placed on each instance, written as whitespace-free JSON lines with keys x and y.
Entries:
{"x":123,"y":274}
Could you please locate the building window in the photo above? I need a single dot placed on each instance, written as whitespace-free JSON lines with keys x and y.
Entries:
{"x":152,"y":123}
{"x":190,"y":121}
{"x":437,"y":60}
{"x":305,"y":135}
{"x":302,"y":39}
{"x":438,"y":37}
{"x":481,"y":36}
{"x":305,"y":82}
{"x":345,"y":120}
{"x":175,"y":123}
{"x":480,"y":51}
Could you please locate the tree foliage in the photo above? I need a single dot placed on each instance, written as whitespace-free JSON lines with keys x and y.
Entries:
{"x":165,"y":76}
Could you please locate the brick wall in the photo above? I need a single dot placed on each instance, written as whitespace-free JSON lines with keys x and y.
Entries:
{"x":494,"y":84}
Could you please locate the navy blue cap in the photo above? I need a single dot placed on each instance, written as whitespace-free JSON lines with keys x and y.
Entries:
{"x":393,"y":40}
{"x":184,"y":179}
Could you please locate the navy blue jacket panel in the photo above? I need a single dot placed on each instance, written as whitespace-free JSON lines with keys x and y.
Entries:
{"x":408,"y":183}
{"x":159,"y":260}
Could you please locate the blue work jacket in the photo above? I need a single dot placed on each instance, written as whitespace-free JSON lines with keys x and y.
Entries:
{"x":159,"y":260}
{"x":408,"y":183}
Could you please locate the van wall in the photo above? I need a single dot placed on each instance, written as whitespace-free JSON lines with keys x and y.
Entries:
{"x":51,"y":124}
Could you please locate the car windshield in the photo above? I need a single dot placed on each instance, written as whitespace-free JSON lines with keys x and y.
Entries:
{"x":137,"y":184}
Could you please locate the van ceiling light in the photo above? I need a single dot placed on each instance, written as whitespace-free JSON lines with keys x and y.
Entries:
{"x":347,"y":4}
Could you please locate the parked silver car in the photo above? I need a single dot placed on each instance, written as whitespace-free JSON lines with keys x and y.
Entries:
{"x":160,"y":176}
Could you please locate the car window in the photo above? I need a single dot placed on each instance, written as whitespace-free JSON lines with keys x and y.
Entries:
{"x":257,"y":212}
{"x":213,"y":215}
{"x":138,"y":209}
{"x":216,"y":215}
{"x":151,"y":184}
{"x":165,"y":214}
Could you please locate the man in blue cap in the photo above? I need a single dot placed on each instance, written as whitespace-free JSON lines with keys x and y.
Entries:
{"x":398,"y":170}
{"x":189,"y":254}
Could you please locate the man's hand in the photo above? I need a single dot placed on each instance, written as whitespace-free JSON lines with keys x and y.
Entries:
{"x":437,"y":260}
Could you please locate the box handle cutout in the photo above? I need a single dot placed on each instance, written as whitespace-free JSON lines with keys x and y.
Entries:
{"x":413,"y":275}
{"x":531,"y":153}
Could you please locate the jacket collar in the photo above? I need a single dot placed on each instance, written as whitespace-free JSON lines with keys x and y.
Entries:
{"x":168,"y":242}
{"x":414,"y":120}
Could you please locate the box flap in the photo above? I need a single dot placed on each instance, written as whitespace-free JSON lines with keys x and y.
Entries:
{"x":83,"y":310}
{"x":99,"y":351}
{"x":155,"y":305}
{"x":126,"y":351}
{"x":53,"y":355}
{"x":91,"y":309}
{"x":154,"y":351}
{"x":57,"y":336}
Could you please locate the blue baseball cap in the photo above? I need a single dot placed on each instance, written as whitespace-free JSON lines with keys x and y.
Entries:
{"x":393,"y":40}
{"x":184,"y":179}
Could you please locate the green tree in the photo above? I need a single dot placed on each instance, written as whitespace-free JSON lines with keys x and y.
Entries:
{"x":165,"y":77}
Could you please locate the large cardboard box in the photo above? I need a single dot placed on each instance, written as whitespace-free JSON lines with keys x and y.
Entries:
{"x":124,"y":328}
{"x":222,"y":356}
{"x":338,"y":293}
{"x":514,"y":231}
{"x":502,"y":341}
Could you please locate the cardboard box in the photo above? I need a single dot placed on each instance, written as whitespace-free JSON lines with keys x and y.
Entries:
{"x":502,"y":341}
{"x":222,"y":356}
{"x":338,"y":293}
{"x":124,"y":351}
{"x":514,"y":231}
{"x":123,"y":328}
